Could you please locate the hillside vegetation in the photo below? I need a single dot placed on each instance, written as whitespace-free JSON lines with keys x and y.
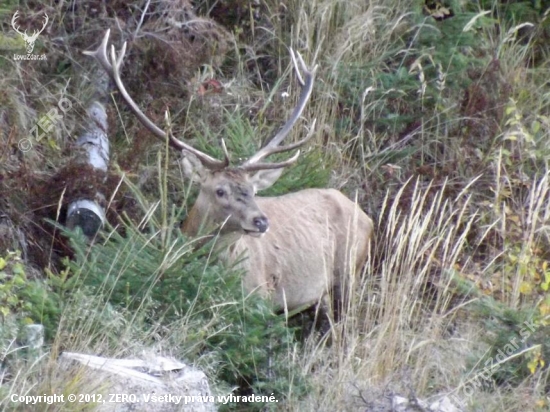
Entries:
{"x":434,"y":116}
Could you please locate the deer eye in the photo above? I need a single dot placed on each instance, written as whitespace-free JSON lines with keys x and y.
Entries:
{"x":220,"y":193}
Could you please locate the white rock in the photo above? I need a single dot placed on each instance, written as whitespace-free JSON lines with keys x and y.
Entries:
{"x":151,"y":383}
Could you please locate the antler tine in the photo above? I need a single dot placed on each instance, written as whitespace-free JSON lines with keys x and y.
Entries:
{"x":278,"y":165}
{"x":302,"y":63}
{"x":263,"y":166}
{"x":225,"y":152}
{"x":273,"y":146}
{"x":112,"y":67}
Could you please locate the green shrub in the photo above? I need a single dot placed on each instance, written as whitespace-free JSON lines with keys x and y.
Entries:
{"x":25,"y":301}
{"x":166,"y":284}
{"x":161,"y":281}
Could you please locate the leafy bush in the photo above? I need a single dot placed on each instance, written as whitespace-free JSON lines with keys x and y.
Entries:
{"x":25,"y":301}
{"x":423,"y":67}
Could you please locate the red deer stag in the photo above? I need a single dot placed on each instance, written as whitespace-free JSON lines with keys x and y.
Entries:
{"x":316,"y":237}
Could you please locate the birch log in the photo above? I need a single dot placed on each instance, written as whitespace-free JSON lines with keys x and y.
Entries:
{"x":88,"y":214}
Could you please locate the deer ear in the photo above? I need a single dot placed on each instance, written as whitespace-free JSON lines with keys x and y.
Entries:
{"x":192,"y":168}
{"x":265,"y":178}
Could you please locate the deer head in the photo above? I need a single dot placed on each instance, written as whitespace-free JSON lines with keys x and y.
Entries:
{"x":29,"y":40}
{"x":227,"y":192}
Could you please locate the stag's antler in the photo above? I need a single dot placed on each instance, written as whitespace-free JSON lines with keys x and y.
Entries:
{"x":112,"y":67}
{"x":253,"y":163}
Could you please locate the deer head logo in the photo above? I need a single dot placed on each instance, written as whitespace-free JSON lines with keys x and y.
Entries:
{"x":29,"y":40}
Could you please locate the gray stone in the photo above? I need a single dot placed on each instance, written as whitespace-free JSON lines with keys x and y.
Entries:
{"x":151,"y":383}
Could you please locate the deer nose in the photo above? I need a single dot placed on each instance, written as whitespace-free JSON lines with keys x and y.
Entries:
{"x":261,"y":223}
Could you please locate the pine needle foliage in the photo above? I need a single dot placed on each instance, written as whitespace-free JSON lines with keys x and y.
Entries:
{"x":163,"y":282}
